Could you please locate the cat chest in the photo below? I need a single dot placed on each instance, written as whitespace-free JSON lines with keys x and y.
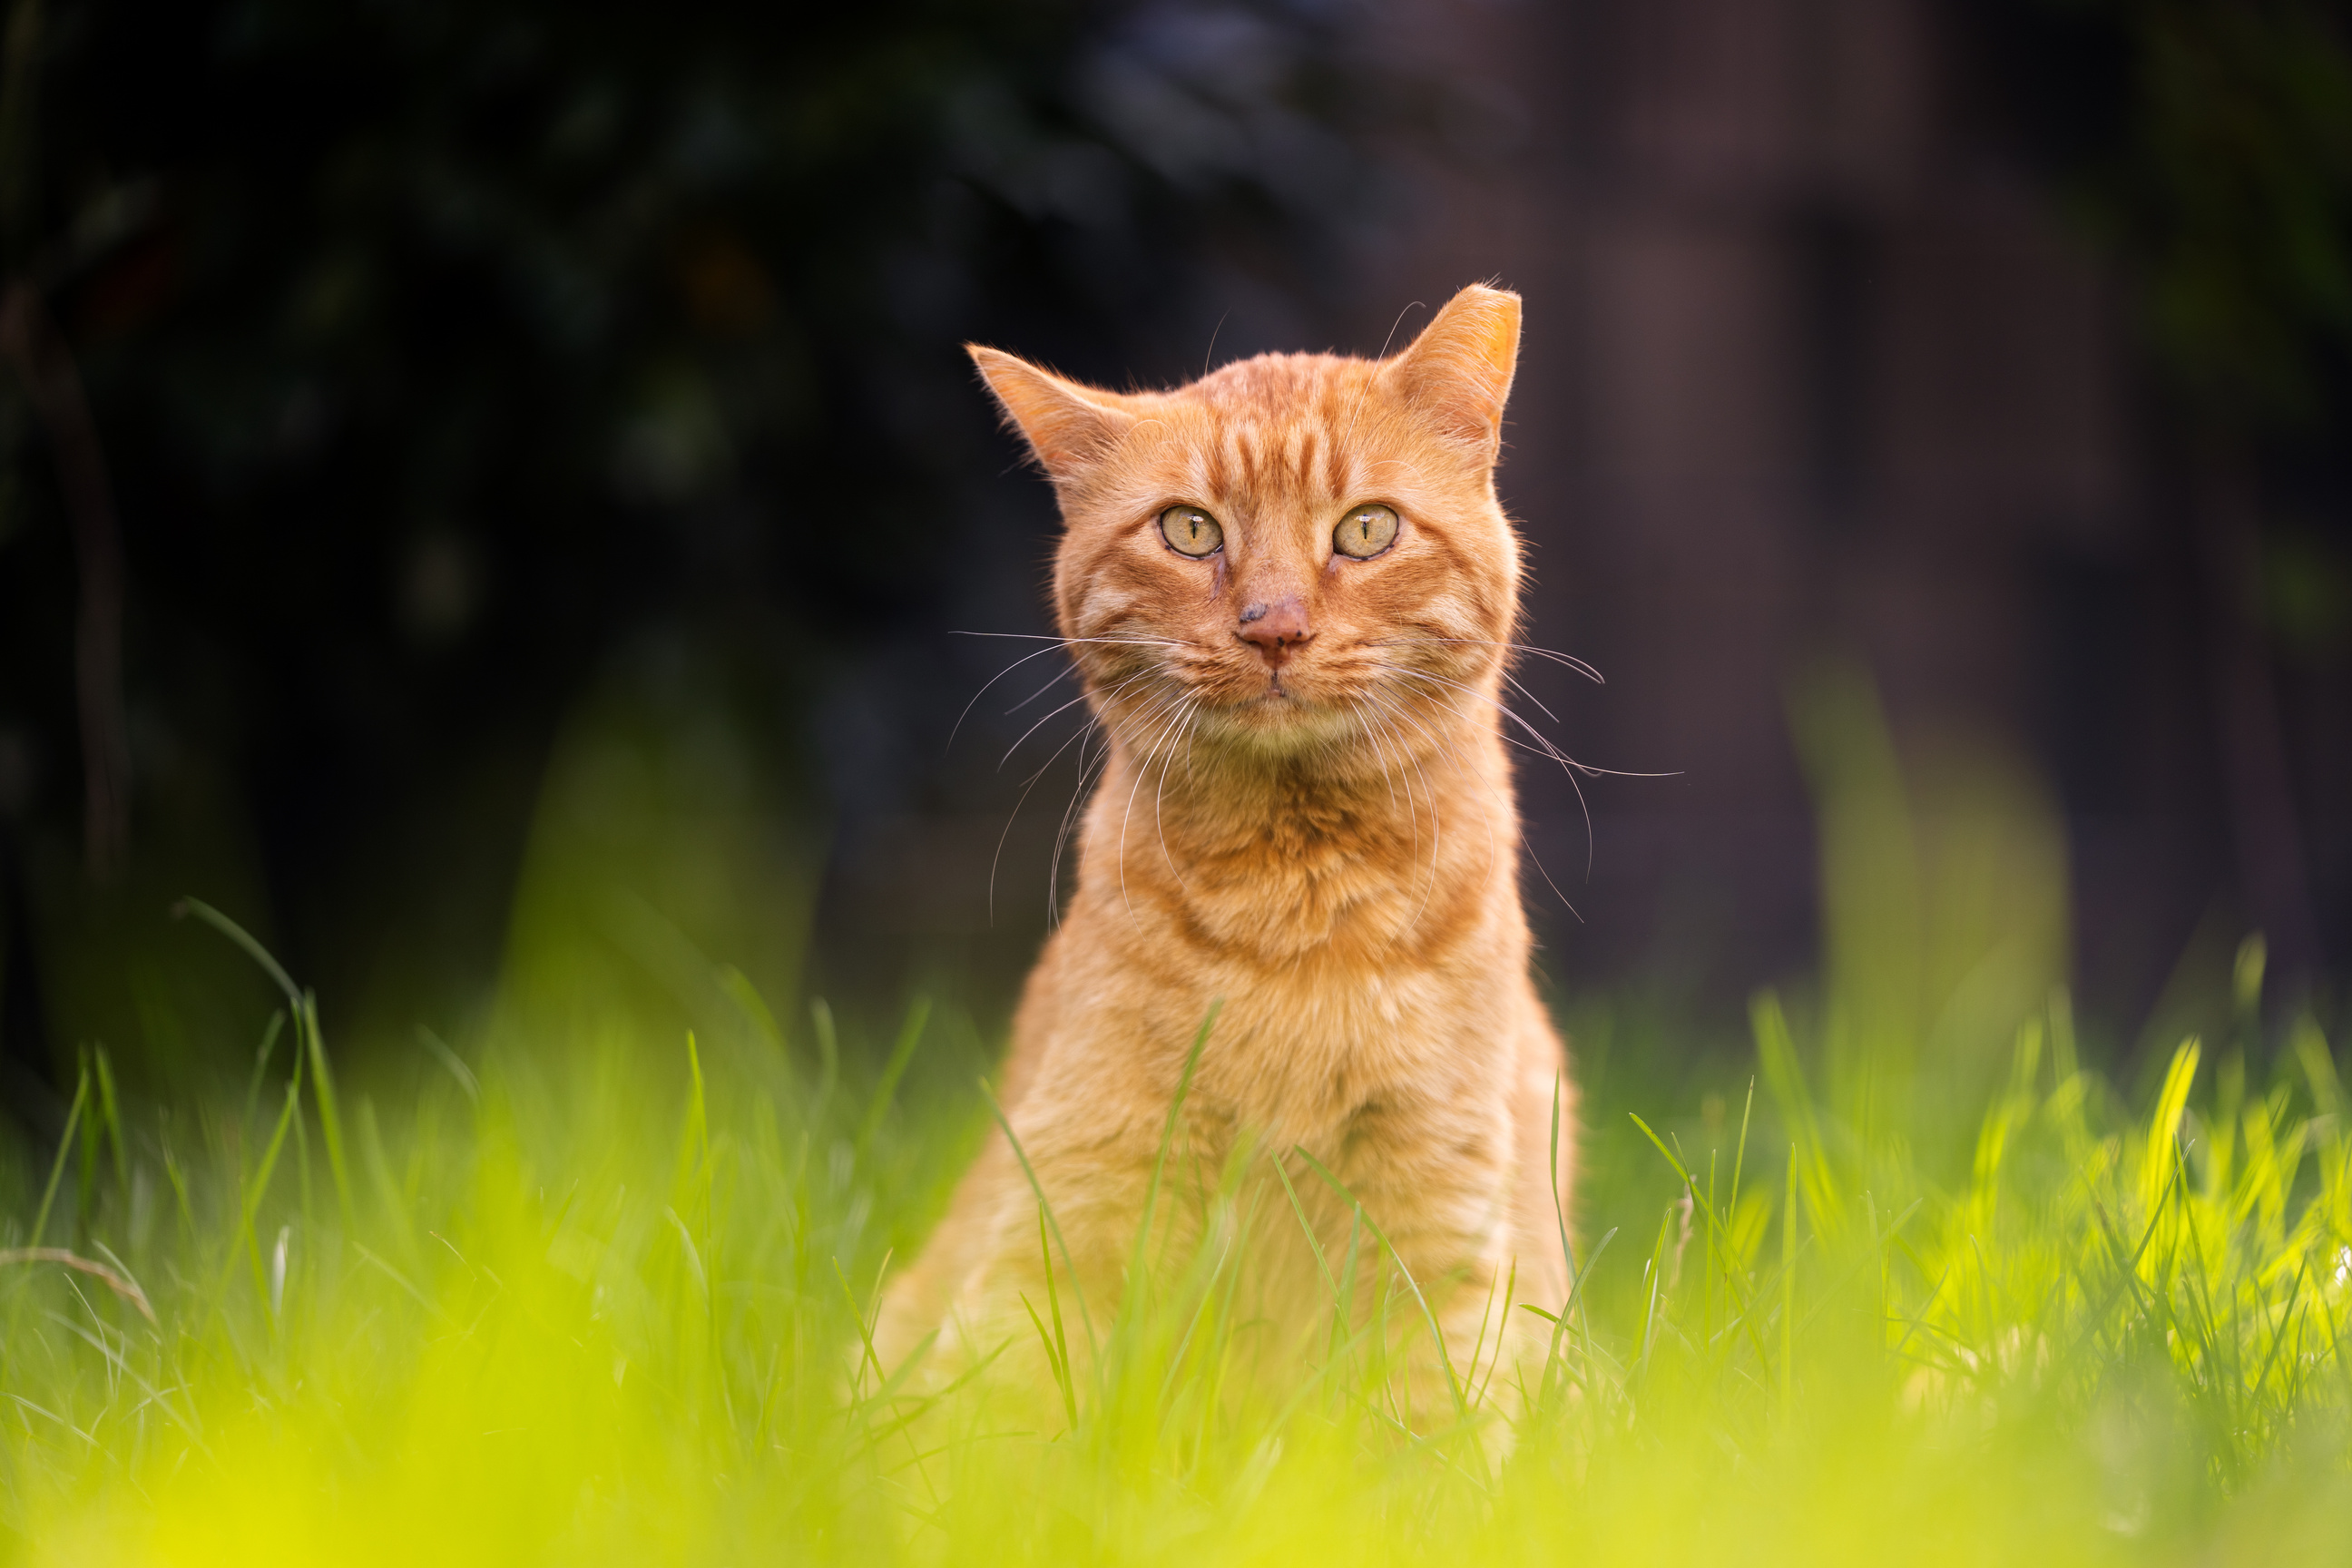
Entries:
{"x":1297,"y":1053}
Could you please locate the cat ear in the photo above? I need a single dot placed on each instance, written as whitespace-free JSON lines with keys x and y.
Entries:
{"x":1458,"y":371}
{"x":1066,"y":425}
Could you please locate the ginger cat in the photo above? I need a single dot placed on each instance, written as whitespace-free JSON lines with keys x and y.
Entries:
{"x":1290,"y":591}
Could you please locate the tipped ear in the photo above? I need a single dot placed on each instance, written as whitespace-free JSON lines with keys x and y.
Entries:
{"x":1066,"y":425}
{"x":1458,"y":371}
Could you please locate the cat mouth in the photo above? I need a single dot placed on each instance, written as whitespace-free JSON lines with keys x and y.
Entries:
{"x":1279,"y":702}
{"x":1277,"y":695}
{"x":1268,"y":696}
{"x":1278,"y":717}
{"x":1270,"y":701}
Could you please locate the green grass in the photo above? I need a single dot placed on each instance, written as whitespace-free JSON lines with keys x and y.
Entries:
{"x":600,"y":1298}
{"x":1897,"y":1279}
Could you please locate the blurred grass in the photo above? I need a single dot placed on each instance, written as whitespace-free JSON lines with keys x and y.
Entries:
{"x":1913,"y":1282}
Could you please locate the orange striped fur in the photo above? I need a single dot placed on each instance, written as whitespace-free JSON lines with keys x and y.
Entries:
{"x":1321,"y":836}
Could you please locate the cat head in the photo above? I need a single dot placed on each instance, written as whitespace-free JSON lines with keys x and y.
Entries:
{"x":1295,"y":550}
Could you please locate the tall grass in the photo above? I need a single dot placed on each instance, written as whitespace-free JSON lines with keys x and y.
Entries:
{"x":604,"y":1299}
{"x":1907,"y":1281}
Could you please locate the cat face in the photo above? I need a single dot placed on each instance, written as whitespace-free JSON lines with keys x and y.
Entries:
{"x":1299,"y":550}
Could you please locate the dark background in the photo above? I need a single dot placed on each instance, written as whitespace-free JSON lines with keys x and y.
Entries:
{"x":387,"y":385}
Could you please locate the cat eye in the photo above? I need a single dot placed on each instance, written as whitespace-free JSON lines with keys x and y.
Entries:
{"x":1189,"y":531}
{"x":1365,"y":531}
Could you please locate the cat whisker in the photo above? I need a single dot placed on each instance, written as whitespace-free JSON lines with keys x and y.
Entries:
{"x":1505,"y":708}
{"x":1072,"y":642}
{"x":1383,"y":732}
{"x":1159,"y":794}
{"x":1107,"y":698}
{"x":1511,"y":815}
{"x":1544,"y":743}
{"x":1156,"y":705}
{"x":1143,"y":771}
{"x":1408,"y":769}
{"x":1058,"y":642}
{"x":1436,"y":823}
{"x":1084,"y":731}
{"x":1362,"y":391}
{"x":1412,"y":811}
{"x":992,"y":680}
{"x":1569,"y":766}
{"x":1436,"y":843}
{"x":1060,"y":749}
{"x":1537,"y":861}
{"x":1512,"y":681}
{"x":1162,"y":737}
{"x":1032,"y":729}
{"x":1357,"y":704}
{"x":1554,"y":655}
{"x":1067,"y":672}
{"x":1162,"y":707}
{"x":1087,"y":773}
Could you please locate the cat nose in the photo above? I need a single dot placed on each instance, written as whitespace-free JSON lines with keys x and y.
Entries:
{"x":1277,"y":630}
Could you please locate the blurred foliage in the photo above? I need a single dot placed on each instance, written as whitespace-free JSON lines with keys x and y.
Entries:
{"x":2307,"y":590}
{"x":2209,"y":143}
{"x":1946,"y":911}
{"x":2205,"y":147}
{"x":653,"y":866}
{"x":446,"y":356}
{"x":503,"y":1303}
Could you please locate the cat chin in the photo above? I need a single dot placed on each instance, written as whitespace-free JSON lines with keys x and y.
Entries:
{"x":1279,"y":724}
